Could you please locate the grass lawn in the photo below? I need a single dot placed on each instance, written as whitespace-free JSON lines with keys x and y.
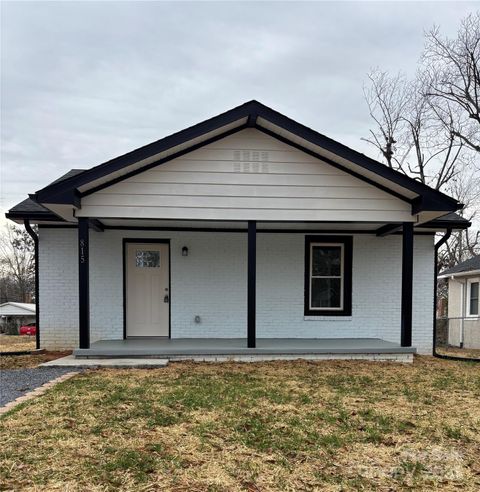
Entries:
{"x":256,"y":427}
{"x":16,"y":343}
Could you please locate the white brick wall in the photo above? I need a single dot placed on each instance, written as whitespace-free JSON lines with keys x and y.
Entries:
{"x":211,"y":283}
{"x":58,"y":274}
{"x":376,"y":291}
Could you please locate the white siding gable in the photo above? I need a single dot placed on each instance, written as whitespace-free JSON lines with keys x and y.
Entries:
{"x":246,"y":176}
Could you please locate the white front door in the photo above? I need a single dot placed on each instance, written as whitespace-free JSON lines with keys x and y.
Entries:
{"x":147,"y":290}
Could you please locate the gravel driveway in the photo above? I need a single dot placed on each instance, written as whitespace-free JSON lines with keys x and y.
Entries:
{"x":17,"y":382}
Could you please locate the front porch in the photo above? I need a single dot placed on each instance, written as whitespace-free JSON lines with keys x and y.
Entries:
{"x":243,"y":291}
{"x":236,"y":349}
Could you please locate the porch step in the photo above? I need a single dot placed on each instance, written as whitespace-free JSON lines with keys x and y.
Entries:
{"x":92,"y":363}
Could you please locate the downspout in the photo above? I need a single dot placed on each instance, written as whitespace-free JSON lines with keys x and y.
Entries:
{"x":34,"y":236}
{"x":440,"y":243}
{"x":464,"y":311}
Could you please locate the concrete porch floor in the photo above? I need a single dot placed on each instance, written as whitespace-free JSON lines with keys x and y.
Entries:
{"x":228,"y":347}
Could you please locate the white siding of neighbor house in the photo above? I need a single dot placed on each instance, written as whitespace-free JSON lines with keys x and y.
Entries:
{"x":211,"y":283}
{"x":246,"y":176}
{"x":461,"y":328}
{"x":455,"y":298}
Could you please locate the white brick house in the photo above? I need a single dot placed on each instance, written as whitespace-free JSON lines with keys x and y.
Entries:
{"x":246,"y":227}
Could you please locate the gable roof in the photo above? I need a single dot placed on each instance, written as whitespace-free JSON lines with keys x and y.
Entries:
{"x":470,"y":265}
{"x":70,"y":174}
{"x":30,"y":209}
{"x":251,"y":114}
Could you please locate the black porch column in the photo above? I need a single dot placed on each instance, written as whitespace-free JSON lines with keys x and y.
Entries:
{"x":251,"y":283}
{"x":83,"y":283}
{"x":407,"y":285}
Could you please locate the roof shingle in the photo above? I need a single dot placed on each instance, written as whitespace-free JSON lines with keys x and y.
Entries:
{"x":469,"y":265}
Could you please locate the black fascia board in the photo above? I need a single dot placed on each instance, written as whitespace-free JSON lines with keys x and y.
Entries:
{"x":446,"y":224}
{"x":430,"y":199}
{"x":428,"y":202}
{"x":67,"y":195}
{"x":33,"y":216}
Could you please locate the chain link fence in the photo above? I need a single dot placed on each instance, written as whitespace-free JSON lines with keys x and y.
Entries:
{"x":458,"y":337}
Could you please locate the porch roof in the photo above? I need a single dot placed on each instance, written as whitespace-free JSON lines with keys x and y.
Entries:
{"x":31,"y":210}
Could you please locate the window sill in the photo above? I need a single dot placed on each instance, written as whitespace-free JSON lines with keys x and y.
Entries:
{"x":328,"y":318}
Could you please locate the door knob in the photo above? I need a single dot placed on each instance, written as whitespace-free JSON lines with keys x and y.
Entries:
{"x":165,"y":299}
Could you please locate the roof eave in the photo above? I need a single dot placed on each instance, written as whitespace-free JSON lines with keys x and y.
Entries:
{"x":439,"y":224}
{"x":465,"y":273}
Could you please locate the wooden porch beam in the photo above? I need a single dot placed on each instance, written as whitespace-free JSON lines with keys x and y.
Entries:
{"x":388,"y":229}
{"x":251,"y":284}
{"x":96,"y":225}
{"x":83,"y":283}
{"x":407,"y":285}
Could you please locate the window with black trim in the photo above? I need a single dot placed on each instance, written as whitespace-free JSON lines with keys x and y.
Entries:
{"x":328,"y":275}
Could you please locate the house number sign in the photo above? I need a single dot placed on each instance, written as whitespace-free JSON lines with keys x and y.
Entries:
{"x":83,"y":251}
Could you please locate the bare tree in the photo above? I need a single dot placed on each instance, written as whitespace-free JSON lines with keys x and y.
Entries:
{"x":452,"y":79}
{"x":463,"y":244}
{"x":407,"y":132}
{"x":387,"y":99}
{"x":17,"y":265}
{"x":429,"y":128}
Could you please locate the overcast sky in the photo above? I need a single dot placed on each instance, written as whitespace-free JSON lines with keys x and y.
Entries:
{"x":85,"y":82}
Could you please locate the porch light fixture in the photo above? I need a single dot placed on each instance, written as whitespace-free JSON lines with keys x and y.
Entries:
{"x":184,"y":251}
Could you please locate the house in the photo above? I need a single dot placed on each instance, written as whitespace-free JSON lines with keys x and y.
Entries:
{"x":247,"y":234}
{"x":14,"y":314}
{"x":463,"y":320}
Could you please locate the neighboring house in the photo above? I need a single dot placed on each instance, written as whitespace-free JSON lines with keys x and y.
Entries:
{"x":14,"y":314}
{"x":248,"y":233}
{"x":464,"y":303}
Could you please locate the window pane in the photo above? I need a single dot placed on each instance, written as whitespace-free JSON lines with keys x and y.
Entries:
{"x":326,"y":292}
{"x":147,"y":259}
{"x":326,"y":260}
{"x":474,"y":298}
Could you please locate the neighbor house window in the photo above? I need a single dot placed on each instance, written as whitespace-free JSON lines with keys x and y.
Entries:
{"x":328,"y":275}
{"x":473,"y":297}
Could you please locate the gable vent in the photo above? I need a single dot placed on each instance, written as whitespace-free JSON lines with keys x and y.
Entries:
{"x":250,"y":161}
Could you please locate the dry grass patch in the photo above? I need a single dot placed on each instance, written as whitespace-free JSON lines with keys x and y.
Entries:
{"x":26,"y":361}
{"x":467,"y":353}
{"x":266,"y":426}
{"x":16,"y":343}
